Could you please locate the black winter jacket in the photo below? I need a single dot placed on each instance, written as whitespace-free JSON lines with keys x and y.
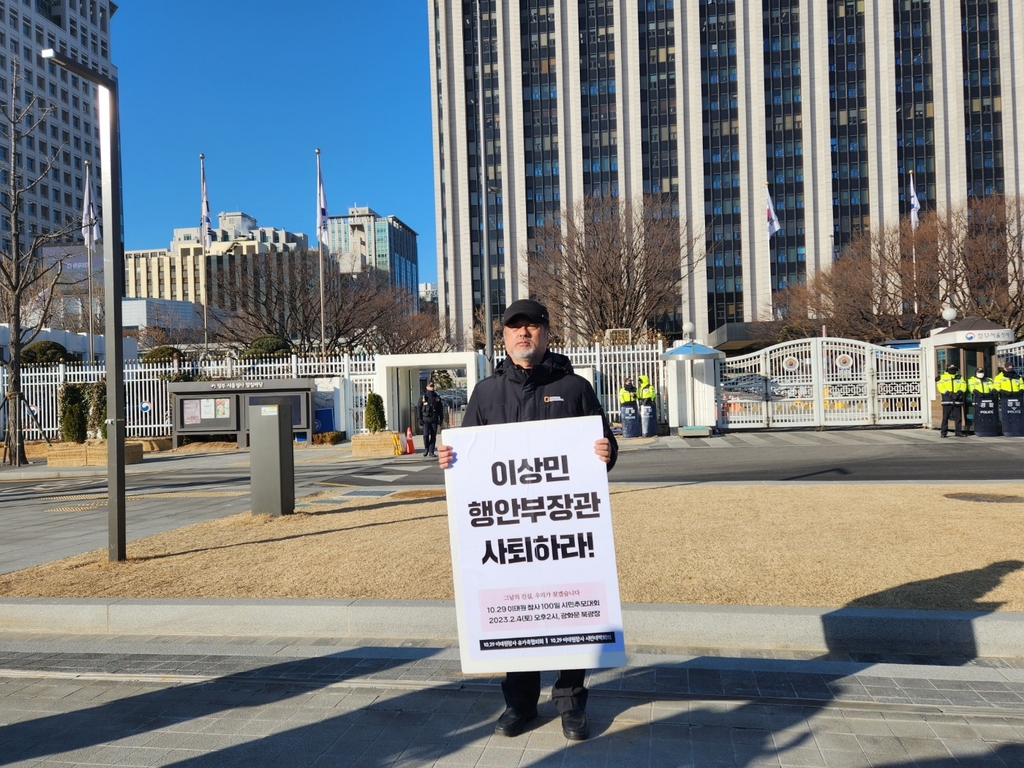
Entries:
{"x":549,"y":390}
{"x":435,"y":414}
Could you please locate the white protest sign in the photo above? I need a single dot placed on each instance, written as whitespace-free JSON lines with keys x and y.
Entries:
{"x":533,"y":557}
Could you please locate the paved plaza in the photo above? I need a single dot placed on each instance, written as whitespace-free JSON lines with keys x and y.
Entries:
{"x":262,"y":700}
{"x":305,"y":702}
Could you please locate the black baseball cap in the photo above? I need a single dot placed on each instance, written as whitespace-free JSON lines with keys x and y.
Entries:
{"x":532,"y":310}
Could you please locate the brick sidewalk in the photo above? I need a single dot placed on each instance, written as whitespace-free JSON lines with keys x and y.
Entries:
{"x":305,"y":703}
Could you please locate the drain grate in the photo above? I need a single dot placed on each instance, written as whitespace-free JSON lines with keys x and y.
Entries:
{"x":987,"y":498}
{"x":368,"y":493}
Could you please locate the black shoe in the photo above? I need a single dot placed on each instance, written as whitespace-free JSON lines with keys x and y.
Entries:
{"x":512,"y":721}
{"x":575,"y":725}
{"x":941,"y":435}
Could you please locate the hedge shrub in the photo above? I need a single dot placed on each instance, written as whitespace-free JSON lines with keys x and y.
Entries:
{"x":45,"y":353}
{"x":375,"y":421}
{"x":74,"y":414}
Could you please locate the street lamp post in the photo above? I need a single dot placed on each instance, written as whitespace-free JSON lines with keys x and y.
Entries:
{"x":88,"y":255}
{"x":113,"y":282}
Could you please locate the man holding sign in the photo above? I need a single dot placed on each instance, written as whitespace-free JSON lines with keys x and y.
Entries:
{"x":533,"y":384}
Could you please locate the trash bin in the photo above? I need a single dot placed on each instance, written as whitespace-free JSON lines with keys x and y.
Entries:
{"x":630,"y":420}
{"x":648,"y":420}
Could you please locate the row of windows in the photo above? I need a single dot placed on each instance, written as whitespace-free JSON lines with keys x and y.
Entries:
{"x":782,"y":43}
{"x":782,"y":69}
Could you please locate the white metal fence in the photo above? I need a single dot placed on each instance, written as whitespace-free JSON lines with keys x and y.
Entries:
{"x":148,"y":402}
{"x":1012,"y":354}
{"x":612,"y":365}
{"x":821,"y":382}
{"x":810,"y":382}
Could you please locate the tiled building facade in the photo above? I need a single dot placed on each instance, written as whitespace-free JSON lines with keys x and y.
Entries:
{"x":67,"y":135}
{"x":829,"y":104}
{"x":363,"y":239}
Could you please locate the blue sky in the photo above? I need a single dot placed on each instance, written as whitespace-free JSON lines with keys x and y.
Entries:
{"x":257,"y":90}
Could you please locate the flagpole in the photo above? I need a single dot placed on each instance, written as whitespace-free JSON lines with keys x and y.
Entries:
{"x":915,"y":204}
{"x":321,"y":227}
{"x":203,"y":230}
{"x":88,"y":256}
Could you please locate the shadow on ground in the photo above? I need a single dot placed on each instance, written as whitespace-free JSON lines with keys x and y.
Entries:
{"x":705,"y":715}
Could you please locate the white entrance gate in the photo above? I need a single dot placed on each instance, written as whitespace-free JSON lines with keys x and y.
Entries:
{"x":821,"y":382}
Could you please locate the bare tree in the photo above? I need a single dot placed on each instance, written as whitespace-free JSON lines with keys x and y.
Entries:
{"x":279,"y":293}
{"x":894,"y":284}
{"x":405,"y":332}
{"x":612,"y":263}
{"x":28,"y":279}
{"x":982,"y":263}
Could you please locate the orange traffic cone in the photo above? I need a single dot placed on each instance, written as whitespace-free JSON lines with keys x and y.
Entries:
{"x":409,"y":447}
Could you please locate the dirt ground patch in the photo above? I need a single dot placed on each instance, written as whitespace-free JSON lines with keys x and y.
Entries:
{"x":207,"y":447}
{"x":953,"y":547}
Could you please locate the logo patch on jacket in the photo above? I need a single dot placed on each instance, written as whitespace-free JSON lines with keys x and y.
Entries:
{"x":553,"y":399}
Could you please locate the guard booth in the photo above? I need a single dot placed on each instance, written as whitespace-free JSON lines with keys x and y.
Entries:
{"x":970,"y":344}
{"x":222,"y":407}
{"x":399,"y":383}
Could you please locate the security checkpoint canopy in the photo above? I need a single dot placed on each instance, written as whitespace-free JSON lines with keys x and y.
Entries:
{"x":970,"y":332}
{"x":691,"y":350}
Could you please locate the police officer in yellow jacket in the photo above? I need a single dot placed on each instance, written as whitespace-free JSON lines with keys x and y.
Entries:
{"x":645,"y":393}
{"x":953,"y":390}
{"x":627,"y":394}
{"x":1011,"y":401}
{"x":1008,"y":380}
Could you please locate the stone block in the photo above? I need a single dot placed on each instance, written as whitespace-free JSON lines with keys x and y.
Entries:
{"x":376,"y":445}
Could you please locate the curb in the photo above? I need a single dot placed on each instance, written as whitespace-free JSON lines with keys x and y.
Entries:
{"x":819,"y":630}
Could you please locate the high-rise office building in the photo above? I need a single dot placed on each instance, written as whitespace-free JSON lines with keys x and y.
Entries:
{"x":185,"y":272}
{"x":68,"y":133}
{"x":363,"y":239}
{"x":830,"y":103}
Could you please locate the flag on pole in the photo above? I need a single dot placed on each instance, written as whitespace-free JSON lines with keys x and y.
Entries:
{"x":204,"y":220}
{"x":321,"y":205}
{"x":90,"y":224}
{"x":773,"y":220}
{"x":915,"y":204}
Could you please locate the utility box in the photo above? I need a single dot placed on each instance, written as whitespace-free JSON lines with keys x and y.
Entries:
{"x":271,"y":462}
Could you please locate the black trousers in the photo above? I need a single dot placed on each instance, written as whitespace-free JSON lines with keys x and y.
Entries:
{"x":522,"y":690}
{"x":429,"y":436}
{"x":954,"y":411}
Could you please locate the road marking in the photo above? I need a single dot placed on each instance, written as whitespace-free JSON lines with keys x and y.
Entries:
{"x":80,"y":508}
{"x":167,"y":495}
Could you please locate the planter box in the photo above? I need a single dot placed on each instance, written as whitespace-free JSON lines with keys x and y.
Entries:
{"x":376,"y":445}
{"x":90,"y":455}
